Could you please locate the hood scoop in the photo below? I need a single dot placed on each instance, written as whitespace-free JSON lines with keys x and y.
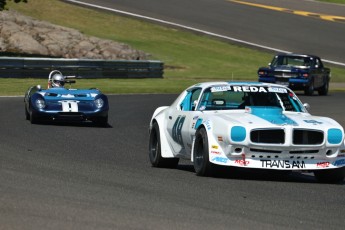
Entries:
{"x":273,"y":115}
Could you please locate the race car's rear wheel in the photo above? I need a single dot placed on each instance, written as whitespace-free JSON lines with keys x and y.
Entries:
{"x":310,"y":89}
{"x":323,"y":91}
{"x":155,"y":155}
{"x":330,"y":175}
{"x":202,"y":164}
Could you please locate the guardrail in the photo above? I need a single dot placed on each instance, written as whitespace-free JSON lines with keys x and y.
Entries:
{"x":87,"y":68}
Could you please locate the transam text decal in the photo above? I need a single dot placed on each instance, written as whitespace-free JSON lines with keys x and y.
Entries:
{"x":283,"y":164}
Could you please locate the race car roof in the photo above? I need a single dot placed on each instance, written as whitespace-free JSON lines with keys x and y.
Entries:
{"x":232,"y":83}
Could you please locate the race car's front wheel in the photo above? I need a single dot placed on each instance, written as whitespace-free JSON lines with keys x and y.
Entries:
{"x":27,"y":114}
{"x":202,"y":164}
{"x":33,"y":118}
{"x":330,"y":175}
{"x":155,"y":155}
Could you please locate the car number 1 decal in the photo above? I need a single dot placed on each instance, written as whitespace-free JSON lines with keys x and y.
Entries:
{"x":177,"y":129}
{"x":69,"y":106}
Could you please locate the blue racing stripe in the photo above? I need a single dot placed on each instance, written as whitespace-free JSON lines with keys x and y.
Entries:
{"x":271,"y":114}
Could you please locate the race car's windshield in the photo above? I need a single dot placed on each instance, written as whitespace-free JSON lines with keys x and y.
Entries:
{"x":238,"y":97}
{"x":297,"y":61}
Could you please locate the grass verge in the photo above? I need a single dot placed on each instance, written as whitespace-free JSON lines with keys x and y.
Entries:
{"x":333,"y":1}
{"x":188,"y":58}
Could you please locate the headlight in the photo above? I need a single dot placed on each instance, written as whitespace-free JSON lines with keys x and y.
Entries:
{"x":238,"y":133}
{"x":99,"y":103}
{"x":40,"y":103}
{"x":334,"y":136}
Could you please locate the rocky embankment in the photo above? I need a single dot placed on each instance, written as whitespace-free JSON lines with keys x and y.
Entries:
{"x":27,"y":36}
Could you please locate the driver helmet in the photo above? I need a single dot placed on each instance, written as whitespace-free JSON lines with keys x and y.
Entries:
{"x":58,"y":80}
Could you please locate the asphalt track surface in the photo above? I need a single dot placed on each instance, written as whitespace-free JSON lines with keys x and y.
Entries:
{"x":296,"y":26}
{"x":77,"y":176}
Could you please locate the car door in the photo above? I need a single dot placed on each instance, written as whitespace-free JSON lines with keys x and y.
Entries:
{"x":181,"y":122}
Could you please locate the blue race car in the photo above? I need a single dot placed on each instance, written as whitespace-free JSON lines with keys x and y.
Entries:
{"x":59,"y":103}
{"x":298,"y":72}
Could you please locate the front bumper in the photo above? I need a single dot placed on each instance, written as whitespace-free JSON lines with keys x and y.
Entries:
{"x":282,"y":160}
{"x":69,"y":116}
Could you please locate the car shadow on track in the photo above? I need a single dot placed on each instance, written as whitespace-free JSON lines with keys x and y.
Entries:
{"x":74,"y":124}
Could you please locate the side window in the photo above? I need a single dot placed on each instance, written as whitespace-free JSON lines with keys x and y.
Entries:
{"x":195,"y":97}
{"x":188,"y":102}
{"x":319,"y":63}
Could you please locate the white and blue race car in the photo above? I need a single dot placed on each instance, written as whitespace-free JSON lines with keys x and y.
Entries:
{"x":65,"y":104}
{"x":247,"y":125}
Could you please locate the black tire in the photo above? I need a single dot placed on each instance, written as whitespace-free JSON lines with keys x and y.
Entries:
{"x":155,"y":155}
{"x":333,"y":176}
{"x":33,"y":118}
{"x":27,"y":114}
{"x":202,"y":164}
{"x":310,"y":89}
{"x":323,"y":91}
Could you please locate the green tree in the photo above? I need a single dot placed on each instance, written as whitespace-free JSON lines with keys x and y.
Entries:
{"x":3,"y":3}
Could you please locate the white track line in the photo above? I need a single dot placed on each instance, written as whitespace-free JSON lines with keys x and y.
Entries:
{"x":192,"y":29}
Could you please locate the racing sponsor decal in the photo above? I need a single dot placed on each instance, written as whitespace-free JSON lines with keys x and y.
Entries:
{"x":313,"y":122}
{"x":242,"y":162}
{"x":276,"y":90}
{"x":208,"y":125}
{"x":324,"y":164}
{"x":215,"y":152}
{"x":214,"y":146}
{"x":246,"y":88}
{"x":220,"y":159}
{"x":220,"y":138}
{"x":283,"y":164}
{"x":177,"y":129}
{"x":340,"y":162}
{"x":220,"y":88}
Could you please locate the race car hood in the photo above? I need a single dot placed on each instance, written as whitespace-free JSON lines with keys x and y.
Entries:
{"x":263,"y":117}
{"x":69,"y":94}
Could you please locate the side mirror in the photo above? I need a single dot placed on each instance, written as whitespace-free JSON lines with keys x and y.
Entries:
{"x":306,"y":106}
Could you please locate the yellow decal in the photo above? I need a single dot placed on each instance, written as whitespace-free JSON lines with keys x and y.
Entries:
{"x":215,"y":146}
